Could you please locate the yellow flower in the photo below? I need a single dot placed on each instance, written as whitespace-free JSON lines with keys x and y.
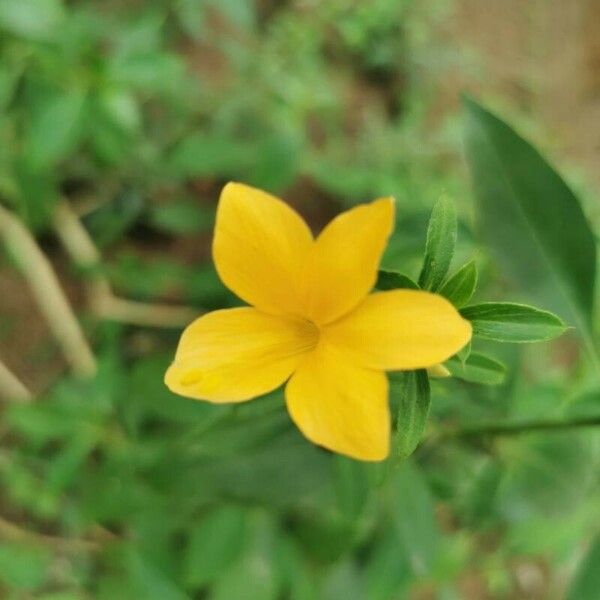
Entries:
{"x":312,"y":321}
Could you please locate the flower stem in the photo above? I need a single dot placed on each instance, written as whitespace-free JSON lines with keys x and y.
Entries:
{"x":509,"y":429}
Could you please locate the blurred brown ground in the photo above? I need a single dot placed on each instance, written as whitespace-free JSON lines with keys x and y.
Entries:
{"x":544,"y":56}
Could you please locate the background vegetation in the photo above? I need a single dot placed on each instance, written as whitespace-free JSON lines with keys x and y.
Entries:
{"x":119,"y":123}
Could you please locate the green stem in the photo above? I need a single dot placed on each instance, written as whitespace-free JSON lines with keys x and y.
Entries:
{"x":508,"y":429}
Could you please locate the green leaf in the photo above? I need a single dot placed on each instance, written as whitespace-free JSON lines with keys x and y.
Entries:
{"x":33,"y":19}
{"x":156,"y":72}
{"x":214,"y":545}
{"x":121,"y":108}
{"x":38,"y":193}
{"x":201,"y":155}
{"x":114,"y":123}
{"x":586,"y":582}
{"x":509,"y":322}
{"x":477,"y":368}
{"x":392,"y":280}
{"x":439,"y":249}
{"x":411,"y":392}
{"x":532,"y":221}
{"x":55,"y":127}
{"x":460,"y":287}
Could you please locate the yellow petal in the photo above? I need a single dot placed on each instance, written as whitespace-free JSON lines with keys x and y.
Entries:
{"x":260,"y":248}
{"x":341,"y":406}
{"x":400,"y":330}
{"x":237,"y":354}
{"x":344,"y":260}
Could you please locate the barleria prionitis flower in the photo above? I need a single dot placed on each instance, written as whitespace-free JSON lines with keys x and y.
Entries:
{"x":313,"y":321}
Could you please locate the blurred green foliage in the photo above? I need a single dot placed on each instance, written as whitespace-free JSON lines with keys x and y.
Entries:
{"x":138,"y":112}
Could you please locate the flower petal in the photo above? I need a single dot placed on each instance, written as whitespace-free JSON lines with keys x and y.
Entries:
{"x":344,"y":260}
{"x":237,"y":354}
{"x":341,"y":406}
{"x":260,"y":247}
{"x":400,"y":330}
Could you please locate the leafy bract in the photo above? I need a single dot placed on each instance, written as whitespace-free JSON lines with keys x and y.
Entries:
{"x":460,"y":287}
{"x":393,"y":280}
{"x":411,"y":391}
{"x":477,"y":368}
{"x":510,"y":322}
{"x":439,"y":249}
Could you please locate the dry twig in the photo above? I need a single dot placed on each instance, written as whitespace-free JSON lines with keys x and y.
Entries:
{"x":11,"y":532}
{"x":103,"y":302}
{"x":11,"y":387}
{"x":47,"y":293}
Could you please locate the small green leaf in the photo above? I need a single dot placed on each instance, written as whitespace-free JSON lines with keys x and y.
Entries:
{"x":508,"y":322}
{"x":439,"y":249}
{"x":460,"y":287}
{"x":477,"y":368}
{"x":411,"y":390}
{"x":531,"y":220}
{"x":392,"y":280}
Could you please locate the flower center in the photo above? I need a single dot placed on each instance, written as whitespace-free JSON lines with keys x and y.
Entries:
{"x":310,"y":332}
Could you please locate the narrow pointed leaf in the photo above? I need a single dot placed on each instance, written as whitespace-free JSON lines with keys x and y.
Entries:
{"x":460,"y":287}
{"x":532,"y":221}
{"x":393,"y":280}
{"x":509,"y":322}
{"x":439,"y":249}
{"x":412,"y":393}
{"x":477,"y":368}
